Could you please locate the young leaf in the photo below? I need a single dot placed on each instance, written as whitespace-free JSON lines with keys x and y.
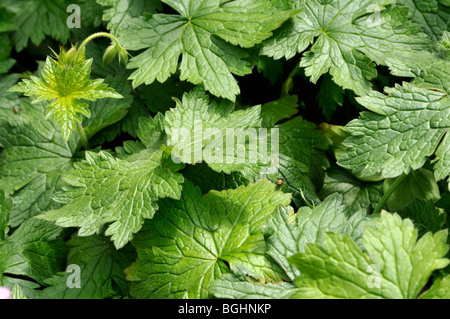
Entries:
{"x":391,"y":268}
{"x":122,"y":191}
{"x":406,"y":127}
{"x":190,"y":242}
{"x":200,"y":34}
{"x":347,"y":35}
{"x":65,"y":82}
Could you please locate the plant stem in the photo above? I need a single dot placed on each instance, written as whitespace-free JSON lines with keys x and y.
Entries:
{"x":97,"y":35}
{"x":83,"y":137}
{"x":285,"y":89}
{"x":388,"y":194}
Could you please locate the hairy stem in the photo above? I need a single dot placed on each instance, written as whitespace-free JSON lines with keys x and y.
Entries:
{"x":97,"y":35}
{"x":388,"y":194}
{"x":83,"y":137}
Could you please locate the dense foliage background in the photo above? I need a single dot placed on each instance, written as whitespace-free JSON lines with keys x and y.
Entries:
{"x":356,"y":208}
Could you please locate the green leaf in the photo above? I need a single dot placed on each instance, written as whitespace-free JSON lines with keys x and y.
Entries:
{"x":229,"y":286}
{"x":430,"y":72}
{"x":122,"y":191}
{"x":439,"y":290}
{"x":202,"y":130}
{"x":101,"y":270}
{"x":290,"y":233}
{"x":418,"y":184}
{"x":356,"y":194}
{"x":432,"y":17}
{"x":5,"y":49}
{"x":395,"y":265}
{"x":119,"y":12}
{"x":302,"y":160}
{"x":424,"y":216}
{"x":34,"y":152}
{"x":64,"y":85}
{"x":330,"y":96}
{"x":106,"y":112}
{"x":200,"y":34}
{"x":33,"y":250}
{"x":37,"y":18}
{"x":5,"y":210}
{"x":8,"y":100}
{"x":278,"y":110}
{"x":406,"y":127}
{"x":287,"y":234}
{"x":206,"y":179}
{"x":347,"y":35}
{"x":191,"y":242}
{"x":159,"y":96}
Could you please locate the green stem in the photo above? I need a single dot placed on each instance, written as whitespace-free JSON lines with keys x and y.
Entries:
{"x":83,"y":138}
{"x":97,"y":35}
{"x":289,"y":80}
{"x":388,"y":194}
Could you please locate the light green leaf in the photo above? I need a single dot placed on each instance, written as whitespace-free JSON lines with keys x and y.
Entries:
{"x":287,"y":234}
{"x":34,"y":152}
{"x":101,"y":267}
{"x":121,"y":191}
{"x":406,"y":127}
{"x":203,"y":130}
{"x":347,"y":35}
{"x":229,"y":286}
{"x":64,"y":85}
{"x":200,"y":34}
{"x":119,"y":12}
{"x":395,"y":265}
{"x":191,"y":242}
{"x":439,"y":290}
{"x":17,"y":293}
{"x":290,"y":233}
